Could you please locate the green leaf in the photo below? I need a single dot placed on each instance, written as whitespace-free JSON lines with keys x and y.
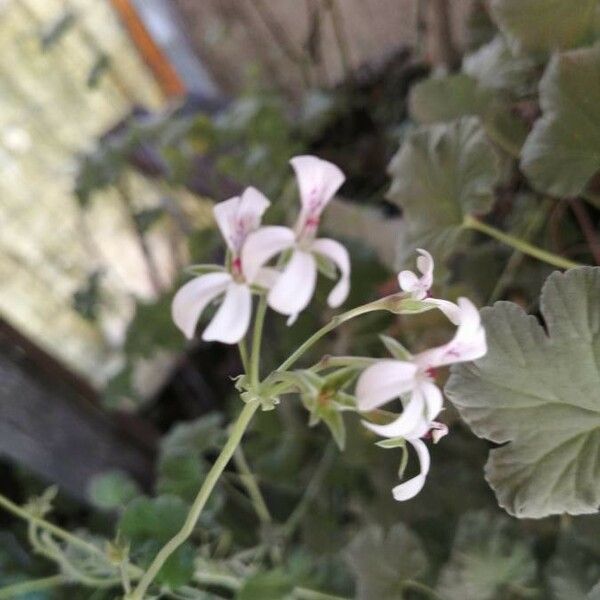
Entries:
{"x":575,"y":567}
{"x":445,"y":98}
{"x":274,"y":585}
{"x":495,"y":67}
{"x":382,"y":563}
{"x":487,"y":560}
{"x":112,"y":490}
{"x":148,"y":524}
{"x":562,"y":153}
{"x":544,"y":25}
{"x":537,"y":394}
{"x":395,"y":348}
{"x":440,"y":174}
{"x":335,"y":424}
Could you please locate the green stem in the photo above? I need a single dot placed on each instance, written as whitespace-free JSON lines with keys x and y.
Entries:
{"x":259,"y":322}
{"x":10,"y":592}
{"x":335,"y":322}
{"x":244,"y":356}
{"x":229,"y":582}
{"x":206,"y":489}
{"x":305,"y":594}
{"x":248,"y":479}
{"x":471,"y":222}
{"x":411,"y":584}
{"x":516,"y":257}
{"x":53,"y":529}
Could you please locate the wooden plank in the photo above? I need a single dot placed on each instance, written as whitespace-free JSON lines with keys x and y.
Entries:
{"x":51,"y":423}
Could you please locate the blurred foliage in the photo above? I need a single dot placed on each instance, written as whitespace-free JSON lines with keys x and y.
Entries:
{"x":494,"y":141}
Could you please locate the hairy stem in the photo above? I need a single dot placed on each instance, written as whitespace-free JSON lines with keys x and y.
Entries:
{"x":335,"y":322}
{"x":259,"y":322}
{"x":34,"y":585}
{"x":560,"y":262}
{"x":206,"y":489}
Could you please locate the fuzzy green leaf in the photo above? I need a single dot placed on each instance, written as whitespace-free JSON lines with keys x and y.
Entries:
{"x":544,"y":25}
{"x":382,"y":563}
{"x":562,"y":153}
{"x":112,"y":490}
{"x":486,"y":560}
{"x":440,"y":174}
{"x":537,"y":394}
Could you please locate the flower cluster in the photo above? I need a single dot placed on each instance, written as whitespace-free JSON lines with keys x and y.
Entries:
{"x":281,"y":263}
{"x":251,"y":247}
{"x":414,"y":378}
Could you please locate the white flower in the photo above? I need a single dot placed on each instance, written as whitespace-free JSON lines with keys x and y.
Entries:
{"x":409,"y":489}
{"x":418,"y":287}
{"x":318,"y":181}
{"x":388,"y":379}
{"x":236,"y":219}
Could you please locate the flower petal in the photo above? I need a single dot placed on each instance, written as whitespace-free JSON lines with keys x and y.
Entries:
{"x":230,"y":323}
{"x":434,"y":401}
{"x":267,"y":277}
{"x":261,"y":246}
{"x":451,"y":310}
{"x":318,"y":181}
{"x":194,"y":297}
{"x":409,"y":489}
{"x":296,"y":284}
{"x":418,"y":286}
{"x":239,"y":216}
{"x":406,"y":423}
{"x":468,"y":343}
{"x":335,"y":252}
{"x":383,"y":381}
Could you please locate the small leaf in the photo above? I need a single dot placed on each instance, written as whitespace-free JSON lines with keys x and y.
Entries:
{"x":383,"y":562}
{"x":440,"y":174}
{"x":487,"y":560}
{"x":445,"y":98}
{"x":395,"y":348}
{"x":148,"y":524}
{"x":544,"y":25}
{"x":495,"y":67}
{"x":392,"y":443}
{"x":537,"y":394}
{"x":335,"y":424}
{"x":111,"y":490}
{"x":562,"y":153}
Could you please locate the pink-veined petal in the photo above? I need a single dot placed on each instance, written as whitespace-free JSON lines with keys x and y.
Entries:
{"x":383,"y":381}
{"x":335,"y":252}
{"x":468,"y":343}
{"x":261,"y":246}
{"x":194,"y":297}
{"x":405,"y":424}
{"x":231,"y":321}
{"x":409,"y":489}
{"x":296,"y":284}
{"x":318,"y":180}
{"x":239,"y":216}
{"x":434,"y":401}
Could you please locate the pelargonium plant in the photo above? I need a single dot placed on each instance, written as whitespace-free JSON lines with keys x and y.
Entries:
{"x":279,"y":265}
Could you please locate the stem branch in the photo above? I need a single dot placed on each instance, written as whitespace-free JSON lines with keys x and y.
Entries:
{"x":471,"y":222}
{"x":186,"y":530}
